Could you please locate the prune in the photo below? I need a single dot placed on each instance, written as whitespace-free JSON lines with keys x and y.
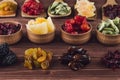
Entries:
{"x":75,"y":58}
{"x":9,"y":28}
{"x":112,"y":59}
{"x":73,"y":65}
{"x":9,"y":59}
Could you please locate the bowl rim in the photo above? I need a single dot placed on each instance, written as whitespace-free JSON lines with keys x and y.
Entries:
{"x":77,"y":34}
{"x":14,"y":22}
{"x":107,"y":34}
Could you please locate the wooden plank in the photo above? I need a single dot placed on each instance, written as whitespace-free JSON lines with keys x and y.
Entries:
{"x":93,"y":71}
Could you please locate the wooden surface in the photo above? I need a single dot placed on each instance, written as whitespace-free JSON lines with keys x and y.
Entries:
{"x":94,"y":71}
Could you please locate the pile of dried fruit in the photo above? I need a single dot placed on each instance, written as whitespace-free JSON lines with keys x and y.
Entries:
{"x":7,"y":57}
{"x":76,"y":26}
{"x":59,"y":8}
{"x":112,"y":11}
{"x":85,"y":8}
{"x":41,"y":25}
{"x":36,"y":58}
{"x":112,"y":59}
{"x":32,"y":7}
{"x":7,"y":8}
{"x":9,"y":28}
{"x":111,"y":27}
{"x":75,"y":58}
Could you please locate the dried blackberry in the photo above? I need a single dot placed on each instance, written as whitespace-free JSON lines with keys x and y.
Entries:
{"x":4,"y":49}
{"x":9,"y":59}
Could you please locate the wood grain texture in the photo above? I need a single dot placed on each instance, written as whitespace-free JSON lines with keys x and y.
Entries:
{"x":94,"y":71}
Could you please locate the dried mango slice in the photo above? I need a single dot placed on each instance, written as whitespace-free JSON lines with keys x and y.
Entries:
{"x":45,"y":64}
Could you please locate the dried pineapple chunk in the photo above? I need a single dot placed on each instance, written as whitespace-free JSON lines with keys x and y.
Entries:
{"x":85,"y":8}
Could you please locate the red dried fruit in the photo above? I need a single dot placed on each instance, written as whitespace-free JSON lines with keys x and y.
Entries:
{"x":85,"y":27}
{"x":79,"y":19}
{"x":77,"y":25}
{"x":32,"y":7}
{"x":68,"y":28}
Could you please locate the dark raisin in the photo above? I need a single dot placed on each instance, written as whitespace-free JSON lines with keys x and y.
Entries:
{"x":4,"y":49}
{"x":9,"y":59}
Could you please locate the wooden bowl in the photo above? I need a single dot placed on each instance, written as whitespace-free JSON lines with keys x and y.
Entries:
{"x":108,"y":39}
{"x":76,"y":39}
{"x":40,"y":38}
{"x":12,"y":38}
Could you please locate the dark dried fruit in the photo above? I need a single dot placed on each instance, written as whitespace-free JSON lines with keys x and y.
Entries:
{"x":4,"y":49}
{"x":9,"y":28}
{"x":112,"y":11}
{"x":75,"y":58}
{"x":112,"y":59}
{"x":9,"y":59}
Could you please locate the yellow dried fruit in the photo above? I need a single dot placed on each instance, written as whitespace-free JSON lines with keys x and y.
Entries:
{"x":45,"y":64}
{"x":36,"y":64}
{"x":43,"y":56}
{"x":28,"y":64}
{"x":49,"y":56}
{"x":36,"y":58}
{"x":34,"y":53}
{"x":7,"y":8}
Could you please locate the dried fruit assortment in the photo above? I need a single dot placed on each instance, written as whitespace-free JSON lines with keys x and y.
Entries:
{"x":112,"y":11}
{"x":111,"y":27}
{"x":7,"y":8}
{"x":112,"y":59}
{"x":59,"y":8}
{"x":8,"y":28}
{"x":7,"y":57}
{"x":75,"y":58}
{"x":32,"y":7}
{"x":37,"y":58}
{"x":41,"y":25}
{"x":76,"y":26}
{"x":85,"y":8}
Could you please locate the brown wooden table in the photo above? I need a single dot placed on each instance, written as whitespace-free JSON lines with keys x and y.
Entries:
{"x":94,"y":71}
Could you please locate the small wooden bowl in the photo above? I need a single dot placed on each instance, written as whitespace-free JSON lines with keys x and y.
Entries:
{"x":40,"y":38}
{"x":108,"y":39}
{"x":12,"y":38}
{"x":76,"y":39}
